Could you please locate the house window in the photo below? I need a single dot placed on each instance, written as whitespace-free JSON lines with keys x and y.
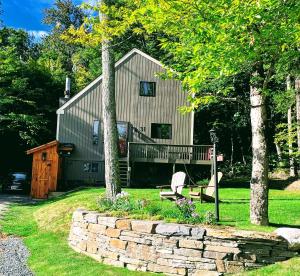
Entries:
{"x":96,"y":128}
{"x":95,"y":167}
{"x":90,"y":167}
{"x":161,"y":131}
{"x":147,"y":88}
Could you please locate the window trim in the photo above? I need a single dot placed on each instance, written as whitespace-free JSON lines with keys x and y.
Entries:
{"x":150,"y":82}
{"x":171,"y":132}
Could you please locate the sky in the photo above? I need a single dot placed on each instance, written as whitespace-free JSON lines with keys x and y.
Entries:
{"x":27,"y":15}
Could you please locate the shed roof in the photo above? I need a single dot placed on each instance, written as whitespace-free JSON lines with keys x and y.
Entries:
{"x":43,"y":147}
{"x":117,"y":64}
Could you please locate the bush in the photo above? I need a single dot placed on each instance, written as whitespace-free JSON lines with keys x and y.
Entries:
{"x":238,"y":169}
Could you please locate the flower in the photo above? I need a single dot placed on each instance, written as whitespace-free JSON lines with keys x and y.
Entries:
{"x":122,"y":194}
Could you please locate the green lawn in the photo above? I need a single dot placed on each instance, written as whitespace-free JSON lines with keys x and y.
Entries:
{"x":45,"y":225}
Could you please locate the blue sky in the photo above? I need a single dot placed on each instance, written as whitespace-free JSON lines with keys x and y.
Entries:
{"x":27,"y":14}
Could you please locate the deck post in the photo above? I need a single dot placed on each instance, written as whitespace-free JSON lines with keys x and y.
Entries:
{"x":174,"y":168}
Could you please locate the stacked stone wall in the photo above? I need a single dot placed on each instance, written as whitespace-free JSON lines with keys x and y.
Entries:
{"x":173,"y":249}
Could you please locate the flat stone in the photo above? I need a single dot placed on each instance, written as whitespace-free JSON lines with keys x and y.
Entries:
{"x":136,"y":240}
{"x":107,"y":221}
{"x":97,"y":228}
{"x":141,"y":252}
{"x":143,"y":226}
{"x":91,"y":217}
{"x":206,"y":266}
{"x":191,"y":244}
{"x":198,"y":233}
{"x":78,"y":231}
{"x":234,"y":266}
{"x":123,"y":224}
{"x":116,"y":243}
{"x":291,"y":235}
{"x":132,"y":234}
{"x":217,"y":255}
{"x":136,"y":267}
{"x":183,"y":264}
{"x":79,"y":214}
{"x":166,"y":269}
{"x":112,"y":232}
{"x":82,"y":245}
{"x":201,"y":260}
{"x":170,"y":229}
{"x":109,"y":261}
{"x":132,"y":261}
{"x":220,"y":266}
{"x":108,"y":254}
{"x":205,"y":273}
{"x":91,"y":236}
{"x":223,"y":249}
{"x":91,"y":247}
{"x":188,"y":252}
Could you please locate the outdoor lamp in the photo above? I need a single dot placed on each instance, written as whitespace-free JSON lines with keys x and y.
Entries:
{"x":214,"y":139}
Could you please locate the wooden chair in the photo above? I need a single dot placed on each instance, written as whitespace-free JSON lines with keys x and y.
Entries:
{"x":177,"y":185}
{"x":206,"y":192}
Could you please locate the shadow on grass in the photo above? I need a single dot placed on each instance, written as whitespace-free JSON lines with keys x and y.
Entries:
{"x":278,"y":225}
{"x":41,"y":202}
{"x":244,"y":183}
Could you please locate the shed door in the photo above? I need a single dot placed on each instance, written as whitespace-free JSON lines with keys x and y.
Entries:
{"x":41,"y":180}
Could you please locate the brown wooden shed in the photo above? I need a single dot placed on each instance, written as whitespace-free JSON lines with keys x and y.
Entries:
{"x":46,"y":167}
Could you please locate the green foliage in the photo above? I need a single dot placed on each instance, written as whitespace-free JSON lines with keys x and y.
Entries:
{"x":236,"y":169}
{"x":123,"y":203}
{"x":187,"y":210}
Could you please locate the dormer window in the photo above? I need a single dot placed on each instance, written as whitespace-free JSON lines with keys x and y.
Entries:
{"x":147,"y":89}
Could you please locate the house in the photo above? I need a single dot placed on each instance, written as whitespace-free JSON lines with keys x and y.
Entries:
{"x":151,"y":129}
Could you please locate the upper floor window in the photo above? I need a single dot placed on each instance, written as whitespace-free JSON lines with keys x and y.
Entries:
{"x":147,"y":88}
{"x":161,"y":131}
{"x":96,"y":129}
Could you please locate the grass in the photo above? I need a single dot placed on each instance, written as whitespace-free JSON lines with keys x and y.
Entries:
{"x":44,"y":227}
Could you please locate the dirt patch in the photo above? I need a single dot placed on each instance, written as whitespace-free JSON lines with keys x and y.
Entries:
{"x":294,"y":186}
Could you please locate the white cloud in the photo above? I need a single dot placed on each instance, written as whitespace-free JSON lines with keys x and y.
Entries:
{"x":38,"y":35}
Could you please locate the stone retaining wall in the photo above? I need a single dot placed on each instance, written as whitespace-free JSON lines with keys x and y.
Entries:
{"x":173,"y":248}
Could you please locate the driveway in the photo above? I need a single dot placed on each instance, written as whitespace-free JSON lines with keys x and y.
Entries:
{"x":13,"y":252}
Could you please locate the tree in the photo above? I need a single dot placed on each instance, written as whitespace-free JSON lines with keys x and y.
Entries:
{"x":210,"y":40}
{"x":28,"y":99}
{"x":111,"y":158}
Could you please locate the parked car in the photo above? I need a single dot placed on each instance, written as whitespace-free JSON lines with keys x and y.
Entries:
{"x":17,"y":181}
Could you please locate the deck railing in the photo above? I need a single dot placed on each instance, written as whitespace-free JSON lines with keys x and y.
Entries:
{"x":154,"y":151}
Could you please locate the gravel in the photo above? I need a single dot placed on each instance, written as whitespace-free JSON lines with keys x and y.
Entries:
{"x":13,"y":257}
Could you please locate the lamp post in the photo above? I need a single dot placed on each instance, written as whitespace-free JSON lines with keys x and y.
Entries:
{"x":214,"y":139}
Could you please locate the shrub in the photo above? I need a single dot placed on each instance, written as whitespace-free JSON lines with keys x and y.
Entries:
{"x":187,"y":210}
{"x":209,"y":218}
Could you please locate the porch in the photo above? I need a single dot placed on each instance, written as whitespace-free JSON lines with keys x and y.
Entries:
{"x":174,"y":154}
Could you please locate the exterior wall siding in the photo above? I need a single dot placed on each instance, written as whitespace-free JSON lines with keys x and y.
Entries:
{"x":76,"y":123}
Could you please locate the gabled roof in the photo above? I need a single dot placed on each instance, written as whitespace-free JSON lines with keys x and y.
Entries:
{"x":43,"y":147}
{"x":117,"y":64}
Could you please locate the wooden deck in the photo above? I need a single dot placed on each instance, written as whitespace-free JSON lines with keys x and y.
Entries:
{"x":175,"y":154}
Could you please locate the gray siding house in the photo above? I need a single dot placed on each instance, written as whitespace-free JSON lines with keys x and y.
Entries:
{"x":151,"y":129}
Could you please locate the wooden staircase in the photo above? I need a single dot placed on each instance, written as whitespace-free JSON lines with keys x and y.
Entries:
{"x":124,"y":172}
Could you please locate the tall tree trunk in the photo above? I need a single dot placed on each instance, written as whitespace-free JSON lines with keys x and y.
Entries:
{"x":290,"y":138}
{"x":297,"y":88}
{"x":111,"y":157}
{"x":259,"y":177}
